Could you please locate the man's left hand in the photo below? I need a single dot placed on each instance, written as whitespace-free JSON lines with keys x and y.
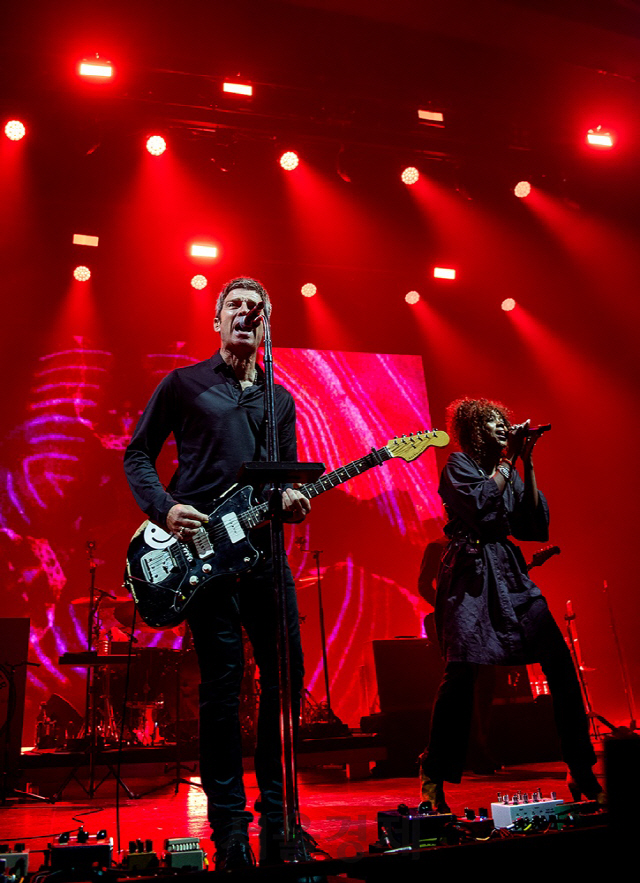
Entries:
{"x":295,"y":504}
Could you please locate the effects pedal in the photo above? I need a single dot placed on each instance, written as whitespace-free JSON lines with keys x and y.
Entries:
{"x":524,"y":806}
{"x":185,"y":854}
{"x":141,"y":858}
{"x":412,"y":828}
{"x":14,"y":863}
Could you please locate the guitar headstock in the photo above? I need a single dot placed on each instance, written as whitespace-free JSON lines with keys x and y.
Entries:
{"x":411,"y":446}
{"x":543,"y":555}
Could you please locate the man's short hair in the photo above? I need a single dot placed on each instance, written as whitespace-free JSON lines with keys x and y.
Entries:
{"x":248,"y":284}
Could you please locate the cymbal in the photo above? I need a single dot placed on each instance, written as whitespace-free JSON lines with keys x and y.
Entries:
{"x":105,"y":601}
{"x":124,"y":614}
{"x":307,"y":581}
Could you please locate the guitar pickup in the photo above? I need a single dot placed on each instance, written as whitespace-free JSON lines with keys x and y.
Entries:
{"x":202,"y":543}
{"x":233,"y":527}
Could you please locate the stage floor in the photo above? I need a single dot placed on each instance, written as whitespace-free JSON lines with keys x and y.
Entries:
{"x":338,"y":812}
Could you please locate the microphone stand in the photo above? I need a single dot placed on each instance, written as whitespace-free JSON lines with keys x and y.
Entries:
{"x":276,"y":473}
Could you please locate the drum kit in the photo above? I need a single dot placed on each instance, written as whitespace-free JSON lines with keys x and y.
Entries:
{"x":140,"y":695}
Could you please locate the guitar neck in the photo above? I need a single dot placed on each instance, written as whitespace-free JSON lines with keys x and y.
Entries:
{"x":376,"y":457}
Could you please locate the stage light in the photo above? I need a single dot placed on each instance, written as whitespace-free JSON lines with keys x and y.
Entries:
{"x":289,"y":161}
{"x":15,"y":130}
{"x":410,"y":175}
{"x":599,"y":137}
{"x":82,"y":274}
{"x":431,"y":117}
{"x":508,"y":304}
{"x":522,"y":189}
{"x":444,"y":273}
{"x":83,"y":239}
{"x":238,"y":88}
{"x":200,"y":250}
{"x":156,"y":145}
{"x":95,"y":69}
{"x":308,"y":289}
{"x":199,"y":282}
{"x":412,"y":297}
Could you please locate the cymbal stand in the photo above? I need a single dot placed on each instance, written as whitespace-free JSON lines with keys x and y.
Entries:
{"x":90,"y":726}
{"x":323,"y":635}
{"x":624,"y":671}
{"x":178,"y":766}
{"x":574,"y":648}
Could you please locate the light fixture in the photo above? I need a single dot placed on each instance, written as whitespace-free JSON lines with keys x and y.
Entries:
{"x":237,"y":88}
{"x":308,"y":289}
{"x":522,"y":189}
{"x":202,"y":250}
{"x":95,"y":69}
{"x":599,"y":137}
{"x":431,"y":117}
{"x":444,"y":273}
{"x":82,"y":274}
{"x":83,"y":239}
{"x":410,"y":175}
{"x":289,"y":160}
{"x":508,"y":304}
{"x":412,"y":297}
{"x":15,"y":130}
{"x":199,"y":282}
{"x":156,"y":145}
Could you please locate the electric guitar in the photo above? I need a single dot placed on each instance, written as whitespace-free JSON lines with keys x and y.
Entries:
{"x":543,"y":555}
{"x":163,"y":573}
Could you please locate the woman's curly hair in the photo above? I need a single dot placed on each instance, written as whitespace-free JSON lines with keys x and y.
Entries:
{"x":466,"y":419}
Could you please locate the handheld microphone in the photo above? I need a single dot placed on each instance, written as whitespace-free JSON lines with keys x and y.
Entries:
{"x":538,"y":430}
{"x":252,"y":318}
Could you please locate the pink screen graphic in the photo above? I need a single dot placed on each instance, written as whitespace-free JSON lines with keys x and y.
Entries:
{"x":62,"y":488}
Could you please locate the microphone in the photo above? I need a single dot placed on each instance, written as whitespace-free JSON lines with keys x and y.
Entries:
{"x":538,"y":430}
{"x":252,"y":318}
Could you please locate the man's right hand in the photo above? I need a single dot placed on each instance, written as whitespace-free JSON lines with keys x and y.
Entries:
{"x":183,"y":521}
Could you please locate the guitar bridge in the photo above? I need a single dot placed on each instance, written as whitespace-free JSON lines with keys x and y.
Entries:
{"x":157,"y":565}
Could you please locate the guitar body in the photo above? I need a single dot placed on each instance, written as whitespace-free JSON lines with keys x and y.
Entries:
{"x":163,"y":573}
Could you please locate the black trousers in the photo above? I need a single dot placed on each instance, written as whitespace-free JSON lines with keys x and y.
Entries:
{"x":215,"y":621}
{"x":453,"y":709}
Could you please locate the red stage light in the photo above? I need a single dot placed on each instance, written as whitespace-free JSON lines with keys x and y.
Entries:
{"x":410,"y":175}
{"x":431,"y":116}
{"x":15,"y":130}
{"x":156,"y":145}
{"x":199,"y":282}
{"x":238,"y":88}
{"x":204,"y":250}
{"x":508,"y":304}
{"x":84,"y":239}
{"x":412,"y":297}
{"x":289,"y":161}
{"x":444,"y":273}
{"x":82,"y":274}
{"x":522,"y":189}
{"x":599,"y":137}
{"x":100,"y":70}
{"x":308,"y":289}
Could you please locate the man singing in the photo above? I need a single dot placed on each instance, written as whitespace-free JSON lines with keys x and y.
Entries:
{"x":215,"y":410}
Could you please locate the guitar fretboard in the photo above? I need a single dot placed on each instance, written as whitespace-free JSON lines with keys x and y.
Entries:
{"x":257,"y":514}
